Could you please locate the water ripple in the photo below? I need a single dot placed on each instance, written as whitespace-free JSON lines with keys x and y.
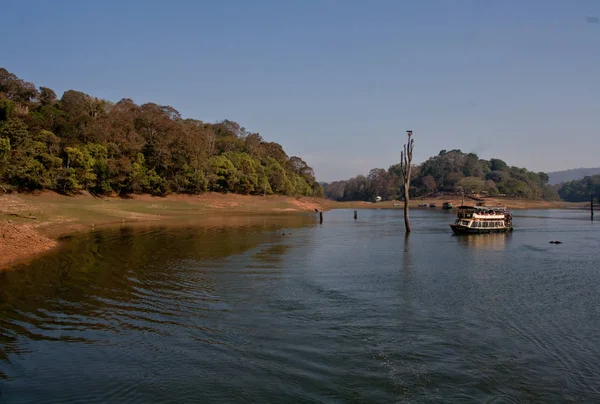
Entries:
{"x":346,"y":311}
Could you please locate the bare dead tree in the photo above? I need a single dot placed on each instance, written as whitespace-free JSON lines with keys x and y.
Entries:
{"x":405,"y":170}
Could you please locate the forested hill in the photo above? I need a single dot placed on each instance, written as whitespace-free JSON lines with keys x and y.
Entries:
{"x":580,"y":190}
{"x":80,"y":142}
{"x":558,"y":177}
{"x":449,"y":172}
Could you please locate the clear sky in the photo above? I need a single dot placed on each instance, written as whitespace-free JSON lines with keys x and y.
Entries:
{"x":337,"y":82}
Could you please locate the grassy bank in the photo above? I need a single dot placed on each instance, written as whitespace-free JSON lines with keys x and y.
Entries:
{"x":31,"y":223}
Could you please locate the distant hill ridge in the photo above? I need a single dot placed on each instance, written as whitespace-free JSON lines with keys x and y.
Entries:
{"x":557,"y":177}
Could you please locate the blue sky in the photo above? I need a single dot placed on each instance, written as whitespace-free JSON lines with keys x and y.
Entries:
{"x":337,"y":82}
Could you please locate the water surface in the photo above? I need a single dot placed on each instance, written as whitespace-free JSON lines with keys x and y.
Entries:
{"x":282,"y":309}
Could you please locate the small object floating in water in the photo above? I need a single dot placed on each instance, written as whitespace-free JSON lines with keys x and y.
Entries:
{"x":316,"y":210}
{"x":555,"y":242}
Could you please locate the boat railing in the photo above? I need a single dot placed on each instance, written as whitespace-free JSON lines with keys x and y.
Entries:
{"x":488,"y":216}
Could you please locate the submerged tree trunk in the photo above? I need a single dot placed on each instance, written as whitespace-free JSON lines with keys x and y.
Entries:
{"x":406,"y":218}
{"x":405,"y":170}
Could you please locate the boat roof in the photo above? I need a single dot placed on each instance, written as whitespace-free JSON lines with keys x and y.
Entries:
{"x":482,"y":207}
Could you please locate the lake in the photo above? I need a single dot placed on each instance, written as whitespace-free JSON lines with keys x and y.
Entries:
{"x":282,"y":309}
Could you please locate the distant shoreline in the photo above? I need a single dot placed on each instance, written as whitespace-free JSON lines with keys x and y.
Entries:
{"x":31,"y":224}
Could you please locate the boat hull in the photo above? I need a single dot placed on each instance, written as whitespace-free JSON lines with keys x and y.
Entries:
{"x":458,"y":229}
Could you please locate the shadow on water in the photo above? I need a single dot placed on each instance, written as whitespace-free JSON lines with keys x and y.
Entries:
{"x":119,"y":279}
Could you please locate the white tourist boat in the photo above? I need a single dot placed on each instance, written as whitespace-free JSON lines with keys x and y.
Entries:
{"x":482,"y":219}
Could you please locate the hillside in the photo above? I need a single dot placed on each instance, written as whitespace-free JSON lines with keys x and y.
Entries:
{"x":450,"y":172}
{"x":581,"y":190}
{"x":558,"y":177}
{"x":83,"y":143}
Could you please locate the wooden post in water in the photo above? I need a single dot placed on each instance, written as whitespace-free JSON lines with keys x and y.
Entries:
{"x":592,"y":207}
{"x":321,"y":217}
{"x":355,"y":215}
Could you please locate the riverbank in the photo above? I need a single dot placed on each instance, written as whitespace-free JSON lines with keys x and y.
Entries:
{"x":30,"y":224}
{"x":509,"y":203}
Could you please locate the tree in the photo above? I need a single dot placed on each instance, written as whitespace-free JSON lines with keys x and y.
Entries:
{"x":381,"y":183}
{"x":16,"y":89}
{"x":580,"y":190}
{"x":4,"y":155}
{"x":47,"y":96}
{"x":429,"y":183}
{"x":405,"y":170}
{"x":222,"y":175}
{"x":498,"y":165}
{"x":472,"y":166}
{"x":472,"y":184}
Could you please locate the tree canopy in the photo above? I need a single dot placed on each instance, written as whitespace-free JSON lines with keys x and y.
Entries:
{"x":449,"y":172}
{"x":577,"y":190}
{"x":80,"y":142}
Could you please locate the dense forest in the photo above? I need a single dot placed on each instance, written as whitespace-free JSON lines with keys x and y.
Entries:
{"x":580,"y":190}
{"x":80,"y":142}
{"x":448,"y":172}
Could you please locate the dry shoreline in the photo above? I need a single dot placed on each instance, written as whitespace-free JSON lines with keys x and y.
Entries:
{"x":30,"y":224}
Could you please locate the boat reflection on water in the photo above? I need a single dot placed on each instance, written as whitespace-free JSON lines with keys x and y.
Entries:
{"x":493,"y":241}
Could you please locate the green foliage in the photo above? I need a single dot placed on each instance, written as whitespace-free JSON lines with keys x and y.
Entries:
{"x":137,"y":174}
{"x":79,"y":142}
{"x":33,"y":167}
{"x":277,"y":177}
{"x":4,"y":148}
{"x":156,"y":185}
{"x":580,"y":190}
{"x":15,"y":130}
{"x":194,"y":181}
{"x":472,"y":184}
{"x":246,"y":172}
{"x":317,"y":190}
{"x":498,"y":165}
{"x":7,"y":108}
{"x":222,"y":174}
{"x":4,"y":154}
{"x":16,"y":89}
{"x":67,"y":181}
{"x":449,"y":172}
